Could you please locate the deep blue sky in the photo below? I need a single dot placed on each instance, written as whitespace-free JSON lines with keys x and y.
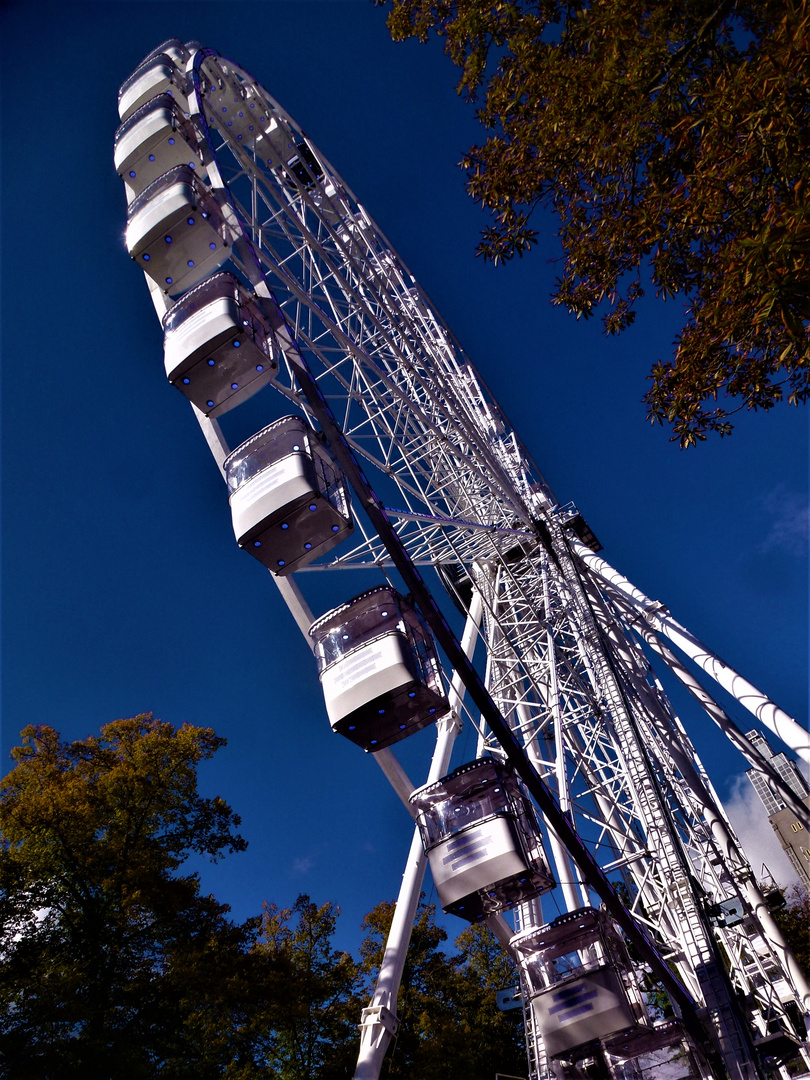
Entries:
{"x":123,"y":590}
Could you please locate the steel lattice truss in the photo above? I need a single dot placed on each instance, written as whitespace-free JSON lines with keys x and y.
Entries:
{"x":562,"y":651}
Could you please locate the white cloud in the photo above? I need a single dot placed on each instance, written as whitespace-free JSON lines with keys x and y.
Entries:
{"x":759,"y":841}
{"x":302,"y":866}
{"x":790,"y":521}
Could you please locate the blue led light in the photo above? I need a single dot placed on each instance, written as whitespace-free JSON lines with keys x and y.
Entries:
{"x":234,"y":386}
{"x":168,"y":239}
{"x":132,"y":173}
{"x":431,"y":710}
{"x":260,"y":367}
{"x":401,"y":727}
{"x":237,"y":344}
{"x":224,"y":108}
{"x":281,"y":562}
{"x":151,"y":157}
{"x":284,"y":525}
{"x":191,"y":221}
{"x":313,"y":506}
{"x":192,"y":165}
{"x":373,"y":742}
{"x":190,"y":262}
{"x":230,"y":123}
{"x":335,"y":528}
{"x":210,"y":404}
{"x":380,"y":711}
{"x":257,"y":543}
{"x":186,"y":380}
{"x":412,"y":693}
{"x":168,"y":281}
{"x":211,"y":363}
{"x":213,"y":247}
{"x":171,"y":142}
{"x":352,"y":727}
{"x":307,"y":547}
{"x":146,"y":258}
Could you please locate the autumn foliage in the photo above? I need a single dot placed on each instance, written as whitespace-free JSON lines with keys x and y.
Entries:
{"x":672,"y":143}
{"x":114,"y":964}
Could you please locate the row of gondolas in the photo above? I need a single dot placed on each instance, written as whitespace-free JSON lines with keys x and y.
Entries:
{"x":289,"y":503}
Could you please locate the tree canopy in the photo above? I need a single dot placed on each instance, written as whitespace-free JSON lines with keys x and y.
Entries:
{"x":113,"y":963}
{"x":672,"y":143}
{"x":450,"y":1026}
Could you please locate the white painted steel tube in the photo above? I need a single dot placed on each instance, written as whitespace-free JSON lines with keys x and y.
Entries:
{"x":766,"y":711}
{"x":379,"y":1023}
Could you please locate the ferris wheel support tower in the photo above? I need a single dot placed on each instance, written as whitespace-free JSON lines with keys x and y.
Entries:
{"x":269,"y":277}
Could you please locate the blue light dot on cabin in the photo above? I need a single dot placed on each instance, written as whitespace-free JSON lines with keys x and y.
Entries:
{"x":151,"y":157}
{"x":213,"y":247}
{"x":171,"y":142}
{"x":431,"y":710}
{"x":211,"y":363}
{"x":132,"y":173}
{"x":169,"y":280}
{"x":401,"y":727}
{"x":234,"y":386}
{"x":335,"y":528}
{"x":307,"y":547}
{"x":380,"y":711}
{"x":284,"y":525}
{"x":187,"y":380}
{"x":257,"y":543}
{"x":281,"y":562}
{"x":210,"y":404}
{"x":412,"y":693}
{"x":260,"y":367}
{"x":237,"y":344}
{"x":168,"y":239}
{"x":192,"y":165}
{"x":313,"y":506}
{"x":191,"y":221}
{"x":146,"y":258}
{"x":373,"y":742}
{"x":190,"y":262}
{"x":352,"y":727}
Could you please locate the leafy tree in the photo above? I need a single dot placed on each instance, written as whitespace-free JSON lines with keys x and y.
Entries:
{"x":450,"y":1027}
{"x":794,"y":921}
{"x":113,"y":964}
{"x":316,"y":1033}
{"x":671,"y":140}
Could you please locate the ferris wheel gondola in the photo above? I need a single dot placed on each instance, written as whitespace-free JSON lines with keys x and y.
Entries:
{"x":268,"y":273}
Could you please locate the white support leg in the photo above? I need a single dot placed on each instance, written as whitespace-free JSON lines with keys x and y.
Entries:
{"x":379,"y":1021}
{"x":766,"y":711}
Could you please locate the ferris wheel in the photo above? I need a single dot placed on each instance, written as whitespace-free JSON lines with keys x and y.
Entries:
{"x":383,"y":449}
